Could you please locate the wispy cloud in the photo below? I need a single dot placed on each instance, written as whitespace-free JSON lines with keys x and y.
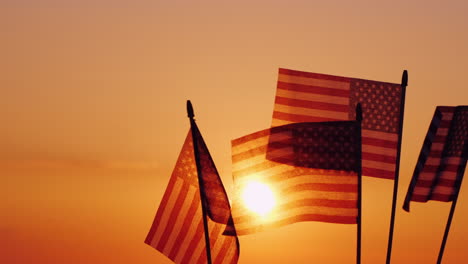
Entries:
{"x":78,"y":163}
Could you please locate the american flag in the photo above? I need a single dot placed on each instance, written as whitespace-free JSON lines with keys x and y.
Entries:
{"x":311,"y":168}
{"x":443,"y":157}
{"x":177,"y":230}
{"x":312,"y":97}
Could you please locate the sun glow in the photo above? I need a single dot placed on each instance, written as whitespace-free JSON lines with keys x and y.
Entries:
{"x":258,"y":197}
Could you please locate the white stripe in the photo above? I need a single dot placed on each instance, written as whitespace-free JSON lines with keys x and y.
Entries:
{"x":275,"y":216}
{"x":390,"y":152}
{"x":279,"y":136}
{"x":307,"y":112}
{"x":380,"y":135}
{"x":447,"y":115}
{"x":251,"y":144}
{"x":341,"y":85}
{"x":310,"y":194}
{"x":181,"y":219}
{"x":448,"y":175}
{"x":452,"y":160}
{"x":232,"y":246}
{"x":197,"y":221}
{"x":269,"y":173}
{"x":313,"y":97}
{"x":427,"y":176}
{"x":260,"y":158}
{"x":280,"y":152}
{"x":444,"y":190}
{"x":218,"y":245}
{"x":278,"y":122}
{"x":167,"y":212}
{"x":199,"y":249}
{"x":442,"y":131}
{"x":433,"y":161}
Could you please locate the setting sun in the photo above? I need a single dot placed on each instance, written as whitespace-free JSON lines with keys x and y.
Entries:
{"x":258,"y":197}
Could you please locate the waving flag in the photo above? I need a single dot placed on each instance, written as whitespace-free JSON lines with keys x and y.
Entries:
{"x":308,"y":171}
{"x":177,"y":230}
{"x":443,"y":157}
{"x":312,"y":97}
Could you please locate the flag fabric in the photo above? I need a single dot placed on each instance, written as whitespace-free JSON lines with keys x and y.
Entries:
{"x":443,"y":157}
{"x":312,"y":97}
{"x":311,"y":169}
{"x":177,"y":230}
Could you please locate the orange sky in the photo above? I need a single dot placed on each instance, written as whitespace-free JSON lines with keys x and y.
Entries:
{"x":93,"y":116}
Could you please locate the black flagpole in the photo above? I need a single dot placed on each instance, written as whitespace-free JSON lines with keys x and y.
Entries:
{"x":404,"y":83}
{"x":460,"y":172}
{"x":193,"y":127}
{"x":359,"y":199}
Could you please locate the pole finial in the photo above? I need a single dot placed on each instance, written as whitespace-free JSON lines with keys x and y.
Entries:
{"x":190,"y":113}
{"x":404,"y":78}
{"x":358,"y":112}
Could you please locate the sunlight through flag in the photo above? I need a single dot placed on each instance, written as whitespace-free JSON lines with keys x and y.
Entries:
{"x":310,"y":170}
{"x":258,"y":197}
{"x":178,"y":229}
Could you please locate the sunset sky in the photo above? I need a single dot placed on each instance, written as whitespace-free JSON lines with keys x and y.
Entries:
{"x":92,"y":116}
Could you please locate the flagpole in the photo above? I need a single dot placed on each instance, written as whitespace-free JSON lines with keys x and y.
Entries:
{"x":359,"y":199}
{"x":404,"y":83}
{"x":193,"y":126}
{"x":460,"y":172}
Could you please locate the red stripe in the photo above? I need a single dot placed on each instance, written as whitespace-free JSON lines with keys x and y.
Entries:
{"x":250,"y":137}
{"x":281,"y":144}
{"x":297,"y":171}
{"x":377,"y":173}
{"x":323,"y":187}
{"x":224,"y":249}
{"x":302,"y":218}
{"x":307,"y":172}
{"x":313,"y":75}
{"x":321,"y":218}
{"x":434,"y":182}
{"x":197,"y":238}
{"x":435,"y":153}
{"x":320,"y":202}
{"x":425,"y":183}
{"x":301,"y":118}
{"x":430,"y":168}
{"x":194,"y":208}
{"x":419,"y":198}
{"x":439,"y":139}
{"x":261,"y":150}
{"x":173,"y":216}
{"x":441,"y":197}
{"x":378,"y":157}
{"x":379,"y":142}
{"x":215,"y":235}
{"x":202,"y":258}
{"x":302,"y":203}
{"x":311,"y":105}
{"x":161,"y":210}
{"x":302,"y":88}
{"x":238,"y":174}
{"x":445,"y":109}
{"x":450,"y":167}
{"x":445,"y":123}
